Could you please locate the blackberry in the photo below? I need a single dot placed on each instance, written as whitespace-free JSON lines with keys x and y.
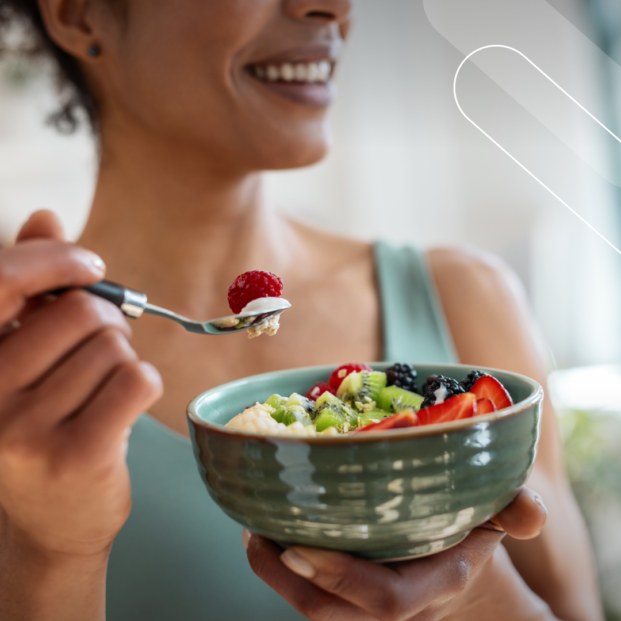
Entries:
{"x":469,"y":381}
{"x":435,"y":383}
{"x":402,"y":376}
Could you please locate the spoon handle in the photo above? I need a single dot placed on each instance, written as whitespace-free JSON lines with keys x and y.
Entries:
{"x":131,"y":302}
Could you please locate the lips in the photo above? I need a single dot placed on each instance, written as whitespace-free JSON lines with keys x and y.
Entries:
{"x":303,"y":76}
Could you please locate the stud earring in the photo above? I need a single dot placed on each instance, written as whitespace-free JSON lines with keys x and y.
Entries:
{"x":94,"y":51}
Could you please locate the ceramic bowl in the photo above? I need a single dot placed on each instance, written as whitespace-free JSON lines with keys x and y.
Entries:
{"x":383,"y":496}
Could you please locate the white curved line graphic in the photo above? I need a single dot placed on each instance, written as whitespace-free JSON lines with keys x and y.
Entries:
{"x":512,"y":49}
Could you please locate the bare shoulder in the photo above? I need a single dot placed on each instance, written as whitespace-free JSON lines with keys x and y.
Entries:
{"x":473,"y":272}
{"x":487,"y":310}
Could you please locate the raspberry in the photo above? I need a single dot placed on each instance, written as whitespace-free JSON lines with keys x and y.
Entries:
{"x":251,"y":286}
{"x":338,"y":375}
{"x":318,"y":389}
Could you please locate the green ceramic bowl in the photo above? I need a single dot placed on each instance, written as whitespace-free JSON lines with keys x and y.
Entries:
{"x":383,"y":496}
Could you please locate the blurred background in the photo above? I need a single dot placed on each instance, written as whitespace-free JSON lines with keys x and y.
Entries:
{"x":407,"y":167}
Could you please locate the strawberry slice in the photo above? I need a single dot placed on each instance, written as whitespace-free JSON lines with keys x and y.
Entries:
{"x":485,"y":406}
{"x":455,"y":408}
{"x":318,"y":389}
{"x":407,"y":418}
{"x":488,"y":387}
{"x":338,"y":375}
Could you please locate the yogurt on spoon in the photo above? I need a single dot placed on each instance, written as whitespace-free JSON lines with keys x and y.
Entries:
{"x":267,"y":326}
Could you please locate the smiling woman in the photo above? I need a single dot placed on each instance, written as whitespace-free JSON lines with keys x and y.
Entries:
{"x":191,"y":102}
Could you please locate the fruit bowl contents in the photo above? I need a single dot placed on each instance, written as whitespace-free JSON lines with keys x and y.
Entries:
{"x":357,"y":399}
{"x":393,"y":495}
{"x":253,"y":292}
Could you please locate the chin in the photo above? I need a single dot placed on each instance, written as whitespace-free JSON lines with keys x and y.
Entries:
{"x":298,"y":152}
{"x":300,"y":160}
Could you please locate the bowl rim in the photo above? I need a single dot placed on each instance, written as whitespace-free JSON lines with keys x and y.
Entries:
{"x":533,"y":399}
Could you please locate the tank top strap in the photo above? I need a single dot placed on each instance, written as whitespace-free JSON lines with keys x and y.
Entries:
{"x":415,"y":329}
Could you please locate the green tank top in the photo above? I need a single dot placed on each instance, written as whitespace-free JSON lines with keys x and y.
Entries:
{"x":179,"y":557}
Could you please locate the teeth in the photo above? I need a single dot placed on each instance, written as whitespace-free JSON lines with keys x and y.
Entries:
{"x":325,"y":68}
{"x":301,"y":72}
{"x":313,"y":73}
{"x":287,"y":72}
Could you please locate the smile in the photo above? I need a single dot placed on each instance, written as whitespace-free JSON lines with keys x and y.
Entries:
{"x":318,"y":72}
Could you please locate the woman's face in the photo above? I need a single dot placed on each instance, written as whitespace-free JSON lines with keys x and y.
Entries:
{"x":248,"y":81}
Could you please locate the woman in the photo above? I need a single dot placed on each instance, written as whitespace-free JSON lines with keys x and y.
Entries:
{"x":191,"y":101}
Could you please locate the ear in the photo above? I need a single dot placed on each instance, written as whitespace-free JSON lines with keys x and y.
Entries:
{"x":69,"y":24}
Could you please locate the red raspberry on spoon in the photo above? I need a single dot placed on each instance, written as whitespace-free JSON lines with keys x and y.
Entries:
{"x":252,"y":286}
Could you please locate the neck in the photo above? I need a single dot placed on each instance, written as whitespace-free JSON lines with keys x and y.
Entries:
{"x":169,"y":223}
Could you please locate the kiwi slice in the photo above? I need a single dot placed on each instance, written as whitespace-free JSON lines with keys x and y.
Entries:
{"x":287,"y":415}
{"x":328,"y":398}
{"x":298,"y":400}
{"x":397,"y":399}
{"x":332,"y":412}
{"x":362,"y":387}
{"x":294,"y":409}
{"x":329,"y":418}
{"x":276,"y":401}
{"x":372,"y":416}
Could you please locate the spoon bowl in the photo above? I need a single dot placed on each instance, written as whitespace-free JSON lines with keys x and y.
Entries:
{"x":222,"y":325}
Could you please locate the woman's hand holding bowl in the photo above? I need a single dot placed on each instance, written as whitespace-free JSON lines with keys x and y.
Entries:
{"x":70,"y":389}
{"x":474,"y":580}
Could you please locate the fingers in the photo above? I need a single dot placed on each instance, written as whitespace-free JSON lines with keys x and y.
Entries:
{"x":65,"y":391}
{"x":50,"y":334}
{"x":376,"y":589}
{"x":465,"y":559}
{"x":129,"y":392}
{"x":383,"y":592}
{"x":309,"y":600}
{"x":41,"y":224}
{"x":399,"y":591}
{"x":38,"y":266}
{"x":525,"y":517}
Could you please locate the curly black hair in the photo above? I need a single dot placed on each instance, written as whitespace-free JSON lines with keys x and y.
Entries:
{"x":75,"y":95}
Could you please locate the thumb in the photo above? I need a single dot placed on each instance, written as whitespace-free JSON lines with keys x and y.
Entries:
{"x":524,"y":517}
{"x":41,"y":224}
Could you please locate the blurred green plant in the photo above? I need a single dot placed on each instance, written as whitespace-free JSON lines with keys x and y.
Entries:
{"x":593,"y":452}
{"x":592,"y":443}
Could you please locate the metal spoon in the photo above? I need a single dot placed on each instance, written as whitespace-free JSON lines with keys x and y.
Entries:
{"x":134,"y":304}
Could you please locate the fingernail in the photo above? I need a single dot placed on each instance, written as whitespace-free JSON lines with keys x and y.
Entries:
{"x":96,"y":261}
{"x":246,"y":537}
{"x":538,"y":500}
{"x":152,"y":374}
{"x":297,"y":564}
